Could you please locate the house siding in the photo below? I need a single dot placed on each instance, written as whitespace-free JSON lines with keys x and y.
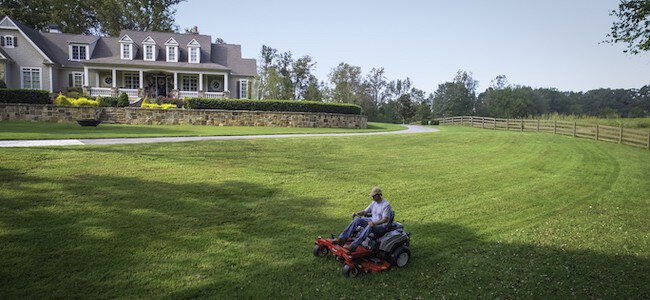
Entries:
{"x":24,"y":55}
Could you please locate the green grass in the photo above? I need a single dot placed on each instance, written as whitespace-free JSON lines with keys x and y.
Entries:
{"x":492,"y":214}
{"x":17,"y":130}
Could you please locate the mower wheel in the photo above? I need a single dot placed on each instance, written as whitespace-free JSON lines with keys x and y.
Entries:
{"x":400,"y":257}
{"x":348,"y":271}
{"x":320,"y":250}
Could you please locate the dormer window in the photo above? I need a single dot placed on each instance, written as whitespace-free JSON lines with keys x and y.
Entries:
{"x":149,"y":49}
{"x":79,"y":52}
{"x":9,"y":41}
{"x":194,"y":52}
{"x":172,"y":50}
{"x":126,"y":47}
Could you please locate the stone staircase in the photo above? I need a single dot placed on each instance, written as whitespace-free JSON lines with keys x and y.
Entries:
{"x":113,"y":115}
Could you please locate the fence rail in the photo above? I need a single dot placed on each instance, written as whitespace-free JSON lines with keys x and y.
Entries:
{"x":621,"y":135}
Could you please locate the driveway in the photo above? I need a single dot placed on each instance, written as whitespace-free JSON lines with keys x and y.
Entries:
{"x":115,"y":141}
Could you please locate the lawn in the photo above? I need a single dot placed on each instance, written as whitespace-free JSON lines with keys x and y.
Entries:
{"x":18,"y":130}
{"x":492,"y":214}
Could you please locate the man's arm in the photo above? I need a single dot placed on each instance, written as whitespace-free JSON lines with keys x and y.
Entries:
{"x":382,"y":221}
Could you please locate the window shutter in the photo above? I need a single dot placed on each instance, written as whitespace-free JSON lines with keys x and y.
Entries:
{"x":15,"y":42}
{"x":70,"y":80}
{"x":2,"y":41}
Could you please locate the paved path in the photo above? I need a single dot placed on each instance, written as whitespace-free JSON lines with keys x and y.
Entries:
{"x":72,"y":142}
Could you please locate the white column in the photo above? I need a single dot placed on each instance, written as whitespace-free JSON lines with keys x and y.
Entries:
{"x":86,"y":81}
{"x":51,"y":83}
{"x":114,"y":74}
{"x":225,"y":82}
{"x":176,"y":81}
{"x":200,"y":81}
{"x":141,"y":79}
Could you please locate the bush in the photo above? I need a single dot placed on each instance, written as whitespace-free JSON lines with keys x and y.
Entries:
{"x":147,"y":104}
{"x":108,"y":101}
{"x":62,"y":100}
{"x":274,"y":105}
{"x":3,"y":84}
{"x":24,"y":96}
{"x":169,"y":100}
{"x":123,"y":100}
{"x":84,"y":102}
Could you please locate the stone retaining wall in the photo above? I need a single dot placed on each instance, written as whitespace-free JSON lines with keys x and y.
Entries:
{"x":143,"y":116}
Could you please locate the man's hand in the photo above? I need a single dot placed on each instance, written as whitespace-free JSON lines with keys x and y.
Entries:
{"x":371,"y":224}
{"x":354,"y":215}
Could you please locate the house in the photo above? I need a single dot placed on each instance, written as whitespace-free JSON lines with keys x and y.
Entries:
{"x":138,"y":63}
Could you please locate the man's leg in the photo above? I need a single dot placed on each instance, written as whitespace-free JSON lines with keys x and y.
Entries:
{"x":352,"y":227}
{"x":379,"y":229}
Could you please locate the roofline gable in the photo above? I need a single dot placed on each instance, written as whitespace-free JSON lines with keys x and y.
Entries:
{"x":148,"y":41}
{"x":193,"y":43}
{"x":27,"y":38}
{"x":171,"y":42}
{"x":126,"y":39}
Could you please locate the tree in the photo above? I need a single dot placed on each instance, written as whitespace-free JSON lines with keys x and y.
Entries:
{"x":632,"y":26}
{"x":94,"y":16}
{"x":346,"y":83}
{"x":500,"y":82}
{"x":452,"y":99}
{"x":302,"y":69}
{"x":376,"y":84}
{"x":423,"y":112}
{"x":314,"y":91}
{"x":405,"y":108}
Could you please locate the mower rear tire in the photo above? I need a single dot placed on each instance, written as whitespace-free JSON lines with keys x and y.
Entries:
{"x":320,"y":250}
{"x":400,"y":257}
{"x":348,"y":271}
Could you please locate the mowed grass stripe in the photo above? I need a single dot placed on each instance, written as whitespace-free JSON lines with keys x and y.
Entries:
{"x":492,"y":214}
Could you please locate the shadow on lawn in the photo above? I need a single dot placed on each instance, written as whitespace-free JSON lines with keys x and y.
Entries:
{"x":116,"y":236}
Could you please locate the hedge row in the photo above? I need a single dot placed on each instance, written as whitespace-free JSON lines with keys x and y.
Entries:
{"x":274,"y":105}
{"x":24,"y":96}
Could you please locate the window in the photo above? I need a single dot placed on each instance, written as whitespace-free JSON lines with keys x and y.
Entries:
{"x":31,"y":78}
{"x":148,"y":52}
{"x":9,"y":41}
{"x":126,"y":51}
{"x":171,"y":54}
{"x":243,"y":89}
{"x":190,"y":83}
{"x":194,"y":55}
{"x":78,"y":52}
{"x":77,"y":79}
{"x":131,"y":80}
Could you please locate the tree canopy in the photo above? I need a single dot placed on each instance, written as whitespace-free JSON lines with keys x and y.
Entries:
{"x":632,"y":26}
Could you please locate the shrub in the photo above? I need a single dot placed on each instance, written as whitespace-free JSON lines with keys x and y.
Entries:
{"x":123,"y":100}
{"x":147,"y":104}
{"x":24,"y":96}
{"x":3,"y":84}
{"x":274,"y":105}
{"x":62,"y":100}
{"x":108,"y":101}
{"x":170,"y":100}
{"x":435,"y":122}
{"x":84,"y":102}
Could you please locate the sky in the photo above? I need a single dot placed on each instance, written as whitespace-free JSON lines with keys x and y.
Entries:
{"x":553,"y":44}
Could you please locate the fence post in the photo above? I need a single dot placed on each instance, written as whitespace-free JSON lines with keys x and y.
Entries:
{"x":620,"y":135}
{"x":648,"y":145}
{"x":482,"y":122}
{"x":597,"y":129}
{"x":554,"y":126}
{"x":471,"y":121}
{"x":522,"y":125}
{"x":537,"y":125}
{"x":507,"y":124}
{"x":574,"y":129}
{"x":495,"y":123}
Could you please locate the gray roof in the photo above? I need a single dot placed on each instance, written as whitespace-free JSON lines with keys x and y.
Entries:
{"x":5,"y":56}
{"x":106,"y":51}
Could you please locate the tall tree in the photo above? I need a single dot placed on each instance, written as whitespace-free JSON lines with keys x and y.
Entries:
{"x":302,"y":69}
{"x":346,"y":83}
{"x":405,"y":108}
{"x":314,"y":91}
{"x":632,"y":26}
{"x":452,"y":99}
{"x":142,"y":15}
{"x":376,"y":84}
{"x":72,"y":16}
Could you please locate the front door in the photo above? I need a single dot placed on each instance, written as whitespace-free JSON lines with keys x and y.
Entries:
{"x":161,"y":86}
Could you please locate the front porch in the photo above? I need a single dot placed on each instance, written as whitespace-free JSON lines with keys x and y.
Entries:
{"x":139,"y":83}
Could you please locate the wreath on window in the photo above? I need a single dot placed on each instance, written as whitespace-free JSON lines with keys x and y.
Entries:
{"x":215,"y":84}
{"x":108,"y":80}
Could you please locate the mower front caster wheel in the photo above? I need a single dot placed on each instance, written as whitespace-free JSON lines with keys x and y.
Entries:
{"x":348,"y":271}
{"x":320,"y":250}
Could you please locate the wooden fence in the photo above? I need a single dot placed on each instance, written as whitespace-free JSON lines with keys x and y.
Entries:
{"x":634,"y":137}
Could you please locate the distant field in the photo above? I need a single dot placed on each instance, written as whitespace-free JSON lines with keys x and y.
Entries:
{"x":625,"y":122}
{"x":14,"y":130}
{"x":492,"y":214}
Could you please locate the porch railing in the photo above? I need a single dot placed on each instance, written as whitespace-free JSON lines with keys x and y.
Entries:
{"x":187,"y":94}
{"x":213,"y":95}
{"x":99,"y":91}
{"x":132,"y":93}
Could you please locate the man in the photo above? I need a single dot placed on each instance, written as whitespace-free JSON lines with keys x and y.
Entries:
{"x":380,"y":210}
